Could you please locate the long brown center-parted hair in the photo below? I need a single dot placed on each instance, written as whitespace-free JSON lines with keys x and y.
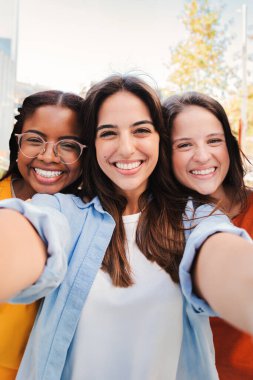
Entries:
{"x":159,"y":235}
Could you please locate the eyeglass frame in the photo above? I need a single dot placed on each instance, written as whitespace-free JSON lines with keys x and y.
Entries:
{"x":20,"y":135}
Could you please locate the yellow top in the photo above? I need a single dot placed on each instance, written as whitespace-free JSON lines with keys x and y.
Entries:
{"x":5,"y":188}
{"x":16,"y":321}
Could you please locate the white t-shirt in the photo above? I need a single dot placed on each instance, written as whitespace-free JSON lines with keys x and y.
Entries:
{"x":132,"y":333}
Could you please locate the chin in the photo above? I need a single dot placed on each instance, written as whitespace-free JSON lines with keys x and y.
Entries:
{"x":205,"y":192}
{"x":47,"y":190}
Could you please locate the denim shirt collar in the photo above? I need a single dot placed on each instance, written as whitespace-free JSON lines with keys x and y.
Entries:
{"x":95,"y":201}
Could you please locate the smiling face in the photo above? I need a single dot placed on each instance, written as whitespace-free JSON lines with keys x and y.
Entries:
{"x":127,"y":144}
{"x":200,"y":157}
{"x":46,"y":173}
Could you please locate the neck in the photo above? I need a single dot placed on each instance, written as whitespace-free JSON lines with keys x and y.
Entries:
{"x":21,"y":189}
{"x":132,"y":206}
{"x":131,"y":209}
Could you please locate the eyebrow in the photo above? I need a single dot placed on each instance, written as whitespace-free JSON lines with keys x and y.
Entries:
{"x":44,"y":136}
{"x":142,"y":122}
{"x":190,"y":138}
{"x":181,"y":139}
{"x":107,"y":126}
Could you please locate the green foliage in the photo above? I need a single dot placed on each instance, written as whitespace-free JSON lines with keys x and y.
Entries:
{"x":198,"y":62}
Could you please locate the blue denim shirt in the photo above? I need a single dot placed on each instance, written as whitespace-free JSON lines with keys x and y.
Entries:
{"x":77,"y":236}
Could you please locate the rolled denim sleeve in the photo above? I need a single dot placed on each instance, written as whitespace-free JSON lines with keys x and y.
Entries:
{"x":203,"y":224}
{"x":53,"y":228}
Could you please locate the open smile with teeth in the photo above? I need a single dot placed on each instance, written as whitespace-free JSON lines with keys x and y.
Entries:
{"x":128,"y":166}
{"x":204,"y":171}
{"x":48,"y":173}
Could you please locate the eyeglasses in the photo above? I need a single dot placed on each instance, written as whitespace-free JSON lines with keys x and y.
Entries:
{"x":31,"y":145}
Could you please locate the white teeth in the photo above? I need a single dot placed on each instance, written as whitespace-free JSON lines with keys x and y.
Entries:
{"x":203,"y":172}
{"x":48,"y":173}
{"x":131,"y":165}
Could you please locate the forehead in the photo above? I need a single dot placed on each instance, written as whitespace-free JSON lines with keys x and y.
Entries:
{"x":123,"y":107}
{"x":51,"y":112}
{"x":196,"y":119}
{"x":52,"y":118}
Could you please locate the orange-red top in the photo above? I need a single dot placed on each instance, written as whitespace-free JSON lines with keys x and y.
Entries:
{"x":234,"y":349}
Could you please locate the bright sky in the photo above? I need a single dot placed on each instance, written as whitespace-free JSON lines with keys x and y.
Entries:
{"x":66,"y":44}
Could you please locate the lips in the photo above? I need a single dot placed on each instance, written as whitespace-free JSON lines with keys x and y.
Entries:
{"x":48,"y":173}
{"x":203,"y":171}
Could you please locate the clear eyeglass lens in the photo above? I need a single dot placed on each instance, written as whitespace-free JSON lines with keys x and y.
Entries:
{"x":31,"y":145}
{"x":68,"y":150}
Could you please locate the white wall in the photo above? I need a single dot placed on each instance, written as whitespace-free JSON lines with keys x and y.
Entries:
{"x":8,"y":63}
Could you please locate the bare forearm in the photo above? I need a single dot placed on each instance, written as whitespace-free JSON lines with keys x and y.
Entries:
{"x":23,"y":254}
{"x":223,"y":276}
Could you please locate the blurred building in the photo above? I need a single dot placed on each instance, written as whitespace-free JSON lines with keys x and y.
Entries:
{"x":22,"y":90}
{"x":8,"y":64}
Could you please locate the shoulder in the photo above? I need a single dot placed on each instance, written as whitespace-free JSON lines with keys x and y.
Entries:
{"x":250,"y":197}
{"x":245,"y":218}
{"x":248,"y":210}
{"x":196,"y":214}
{"x":5,"y":188}
{"x":58,"y":201}
{"x":72,"y":206}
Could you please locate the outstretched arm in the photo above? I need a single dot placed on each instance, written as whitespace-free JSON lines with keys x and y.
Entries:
{"x":223,"y":276}
{"x":23,"y":253}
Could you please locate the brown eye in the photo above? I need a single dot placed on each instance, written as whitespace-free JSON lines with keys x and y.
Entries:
{"x":107,"y":134}
{"x":142,"y":131}
{"x":215,"y":141}
{"x":32,"y":141}
{"x":183,"y":146}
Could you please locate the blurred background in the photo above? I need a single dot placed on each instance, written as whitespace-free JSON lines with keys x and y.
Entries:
{"x":204,"y":45}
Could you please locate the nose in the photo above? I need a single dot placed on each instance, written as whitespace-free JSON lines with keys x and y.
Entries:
{"x":48,"y":154}
{"x":201,"y":154}
{"x":126,"y":145}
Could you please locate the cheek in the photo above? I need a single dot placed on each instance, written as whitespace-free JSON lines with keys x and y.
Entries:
{"x":103,"y":152}
{"x":76,"y":171}
{"x":150,"y":148}
{"x":227,"y":163}
{"x":22,"y":162}
{"x":226,"y":158}
{"x":177,"y":163}
{"x":223,"y":158}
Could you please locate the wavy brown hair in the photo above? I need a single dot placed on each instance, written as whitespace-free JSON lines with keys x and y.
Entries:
{"x":176,"y":104}
{"x":30,"y":104}
{"x":159,"y":233}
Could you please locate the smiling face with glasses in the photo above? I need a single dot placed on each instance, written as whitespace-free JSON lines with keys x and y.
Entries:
{"x":32,"y":145}
{"x":49,"y":150}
